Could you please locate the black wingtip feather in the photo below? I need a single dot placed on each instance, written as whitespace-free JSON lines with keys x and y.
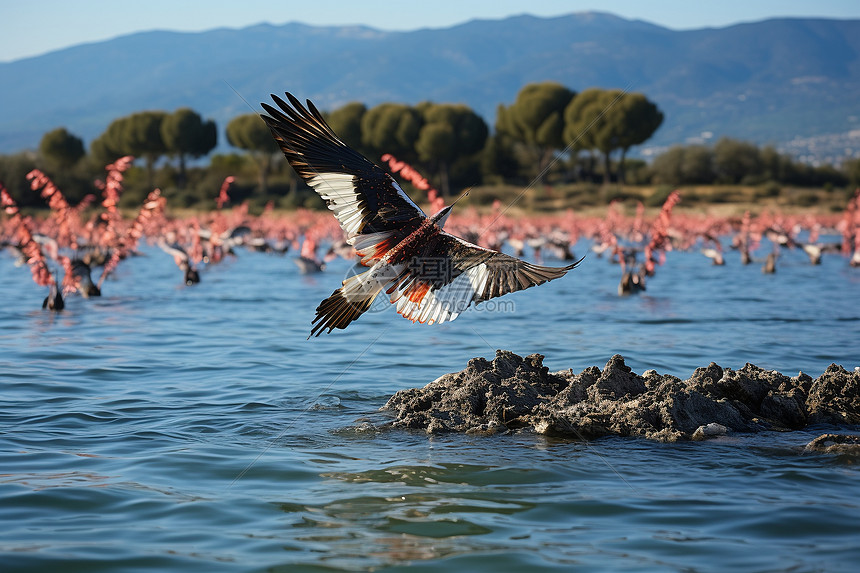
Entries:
{"x":574,"y":265}
{"x":338,"y":312}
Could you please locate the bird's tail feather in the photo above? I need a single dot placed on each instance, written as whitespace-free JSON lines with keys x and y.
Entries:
{"x":346,"y":304}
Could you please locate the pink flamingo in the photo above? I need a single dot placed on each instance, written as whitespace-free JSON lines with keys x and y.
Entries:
{"x":34,"y":257}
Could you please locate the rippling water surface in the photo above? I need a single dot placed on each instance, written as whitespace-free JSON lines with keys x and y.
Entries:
{"x":162,"y":427}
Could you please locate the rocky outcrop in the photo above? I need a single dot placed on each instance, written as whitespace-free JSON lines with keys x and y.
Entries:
{"x":515,"y":393}
{"x":835,"y":444}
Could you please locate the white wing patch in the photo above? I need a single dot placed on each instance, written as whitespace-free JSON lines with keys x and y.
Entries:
{"x":446,"y":303}
{"x":338,"y":189}
{"x":366,"y":285}
{"x":371,"y":246}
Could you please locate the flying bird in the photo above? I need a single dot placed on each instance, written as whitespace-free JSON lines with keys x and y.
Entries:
{"x":430,"y":275}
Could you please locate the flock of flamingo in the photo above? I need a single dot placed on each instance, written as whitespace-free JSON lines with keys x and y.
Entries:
{"x":89,"y":240}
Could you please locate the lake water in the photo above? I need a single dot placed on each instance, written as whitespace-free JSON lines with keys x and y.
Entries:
{"x":172,"y":428}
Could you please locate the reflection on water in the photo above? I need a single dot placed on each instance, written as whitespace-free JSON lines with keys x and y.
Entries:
{"x":165,"y":427}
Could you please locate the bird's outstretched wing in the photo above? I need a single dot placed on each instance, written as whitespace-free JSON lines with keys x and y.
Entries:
{"x":175,"y":250}
{"x":434,"y":277}
{"x":450,"y":274}
{"x":364,"y":198}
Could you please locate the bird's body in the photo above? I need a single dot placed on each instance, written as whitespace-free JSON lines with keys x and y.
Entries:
{"x":430,"y":275}
{"x":340,"y":249}
{"x":632,"y":274}
{"x":54,"y":300}
{"x":190,"y":275}
{"x":308,"y":266}
{"x":770,"y":264}
{"x":716,"y":255}
{"x":813,"y":251}
{"x":83,"y":278}
{"x":816,"y":250}
{"x":632,"y":282}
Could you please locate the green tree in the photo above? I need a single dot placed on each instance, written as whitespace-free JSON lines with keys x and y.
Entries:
{"x":138,"y":134}
{"x":108,"y":146}
{"x":61,"y":148}
{"x":736,"y":160}
{"x":608,"y":121}
{"x":391,"y":128}
{"x":450,"y":132}
{"x":141,"y":137}
{"x":13,"y":175}
{"x":684,"y":165}
{"x":698,"y":165}
{"x":536,"y":120}
{"x":586,"y":123}
{"x":185,"y":134}
{"x":250,"y":132}
{"x":667,"y":167}
{"x":346,"y":123}
{"x":637,"y":119}
{"x":498,"y":160}
{"x":851,"y":168}
{"x":773,"y":164}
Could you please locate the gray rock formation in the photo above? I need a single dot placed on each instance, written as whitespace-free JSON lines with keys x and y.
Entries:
{"x":835,"y":444}
{"x":515,"y":393}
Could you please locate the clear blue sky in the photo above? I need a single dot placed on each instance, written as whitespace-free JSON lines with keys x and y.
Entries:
{"x":33,"y":27}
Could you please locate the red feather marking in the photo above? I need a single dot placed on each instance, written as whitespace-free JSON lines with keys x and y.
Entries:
{"x":418,"y":291}
{"x":377,"y":251}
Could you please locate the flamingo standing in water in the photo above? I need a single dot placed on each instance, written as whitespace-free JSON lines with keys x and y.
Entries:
{"x":769,"y":266}
{"x":32,"y":252}
{"x":715,"y":253}
{"x":54,"y":300}
{"x":307,"y":260}
{"x":854,"y":261}
{"x":632,"y":274}
{"x":182,"y":259}
{"x":82,"y":279}
{"x":430,"y":275}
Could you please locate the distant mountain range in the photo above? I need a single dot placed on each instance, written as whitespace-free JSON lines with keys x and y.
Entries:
{"x":770,"y":82}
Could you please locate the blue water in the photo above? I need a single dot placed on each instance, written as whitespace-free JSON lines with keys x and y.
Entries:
{"x":172,"y":428}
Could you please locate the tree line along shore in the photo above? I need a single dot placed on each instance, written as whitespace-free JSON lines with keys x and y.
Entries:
{"x":551,"y":149}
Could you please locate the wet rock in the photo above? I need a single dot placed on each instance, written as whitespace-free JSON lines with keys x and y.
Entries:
{"x":712,"y":430}
{"x":749,"y":386}
{"x":500,"y":392}
{"x":617,"y":381}
{"x":784,"y":409}
{"x":834,"y":397}
{"x":835,"y":444}
{"x":513,"y":393}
